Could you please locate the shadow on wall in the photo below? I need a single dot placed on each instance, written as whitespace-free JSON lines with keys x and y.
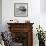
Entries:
{"x":0,"y":15}
{"x":43,"y":6}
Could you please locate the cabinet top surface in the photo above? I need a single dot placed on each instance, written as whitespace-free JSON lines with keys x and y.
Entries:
{"x":19,"y":23}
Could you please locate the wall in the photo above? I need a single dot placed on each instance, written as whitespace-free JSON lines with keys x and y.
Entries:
{"x":0,"y":15}
{"x":43,"y":14}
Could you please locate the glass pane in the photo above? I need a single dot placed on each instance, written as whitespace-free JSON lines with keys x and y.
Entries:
{"x":21,"y":38}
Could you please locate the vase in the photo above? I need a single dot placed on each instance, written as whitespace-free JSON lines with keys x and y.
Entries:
{"x":41,"y":43}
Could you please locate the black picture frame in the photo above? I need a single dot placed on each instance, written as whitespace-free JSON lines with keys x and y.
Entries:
{"x":20,"y":9}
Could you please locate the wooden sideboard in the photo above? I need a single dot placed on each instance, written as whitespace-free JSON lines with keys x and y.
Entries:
{"x":22,"y":33}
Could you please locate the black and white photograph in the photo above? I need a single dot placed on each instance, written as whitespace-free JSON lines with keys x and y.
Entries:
{"x":20,"y":9}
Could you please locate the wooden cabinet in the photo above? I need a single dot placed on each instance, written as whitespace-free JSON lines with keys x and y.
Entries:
{"x":22,"y":33}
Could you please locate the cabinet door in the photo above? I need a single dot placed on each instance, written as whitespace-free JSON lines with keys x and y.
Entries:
{"x":22,"y":37}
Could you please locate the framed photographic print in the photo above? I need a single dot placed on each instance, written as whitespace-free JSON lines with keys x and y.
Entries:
{"x":20,"y":9}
